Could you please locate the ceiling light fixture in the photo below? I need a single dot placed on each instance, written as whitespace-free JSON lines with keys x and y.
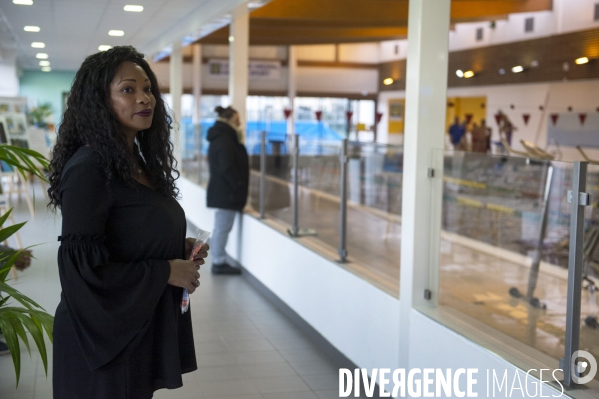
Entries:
{"x":231,"y":39}
{"x":502,"y":71}
{"x":38,"y":45}
{"x":41,"y":56}
{"x":460,"y":73}
{"x":582,"y":60}
{"x":468,"y":74}
{"x":45,"y":63}
{"x":133,"y":8}
{"x":46,"y":69}
{"x":534,"y":63}
{"x":388,"y":81}
{"x":517,"y":69}
{"x":116,"y":33}
{"x":31,"y":29}
{"x":104,"y":47}
{"x":23,"y":2}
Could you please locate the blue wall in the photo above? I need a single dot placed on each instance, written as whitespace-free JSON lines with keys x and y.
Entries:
{"x":44,"y":87}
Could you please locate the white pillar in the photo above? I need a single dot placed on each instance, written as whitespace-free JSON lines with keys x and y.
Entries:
{"x":176,"y":91}
{"x":239,"y":43}
{"x":291,"y":86}
{"x":196,"y":70}
{"x":426,"y":97}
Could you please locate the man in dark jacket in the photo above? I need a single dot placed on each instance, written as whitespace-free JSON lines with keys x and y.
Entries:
{"x":228,"y":185}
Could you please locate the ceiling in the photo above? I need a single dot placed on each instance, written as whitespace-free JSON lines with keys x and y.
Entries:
{"x":73,"y":29}
{"x":346,"y":21}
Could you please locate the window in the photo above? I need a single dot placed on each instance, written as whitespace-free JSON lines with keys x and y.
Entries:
{"x":596,"y":12}
{"x":529,"y":24}
{"x":479,"y":34}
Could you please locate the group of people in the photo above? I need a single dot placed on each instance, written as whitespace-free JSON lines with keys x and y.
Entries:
{"x":124,"y":262}
{"x":480,"y":136}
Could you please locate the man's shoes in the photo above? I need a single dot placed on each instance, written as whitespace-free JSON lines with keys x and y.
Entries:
{"x":3,"y":349}
{"x":224,"y":268}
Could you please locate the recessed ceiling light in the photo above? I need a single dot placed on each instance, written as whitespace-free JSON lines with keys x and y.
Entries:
{"x":38,"y":45}
{"x":46,"y":69}
{"x":104,"y":47}
{"x":534,"y":63}
{"x":44,"y":63}
{"x":502,"y":71}
{"x":231,"y":39}
{"x":134,"y":8}
{"x":41,"y":56}
{"x":517,"y":69}
{"x":468,"y":74}
{"x":388,"y":81}
{"x":582,"y":60}
{"x":116,"y":33}
{"x":23,"y":2}
{"x":31,"y":29}
{"x":459,"y":73}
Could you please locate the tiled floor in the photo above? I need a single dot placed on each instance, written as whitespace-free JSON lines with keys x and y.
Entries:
{"x":246,"y":348}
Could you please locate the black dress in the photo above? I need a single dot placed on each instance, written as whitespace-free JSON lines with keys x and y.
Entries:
{"x":118,"y":331}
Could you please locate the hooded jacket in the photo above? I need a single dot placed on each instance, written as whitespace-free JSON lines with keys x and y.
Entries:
{"x":229,"y":169}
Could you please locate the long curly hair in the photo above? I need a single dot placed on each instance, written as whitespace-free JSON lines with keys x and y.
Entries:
{"x":90,"y":120}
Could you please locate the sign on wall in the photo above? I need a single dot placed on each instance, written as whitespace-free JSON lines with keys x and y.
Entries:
{"x":396,"y":115}
{"x":263,"y":70}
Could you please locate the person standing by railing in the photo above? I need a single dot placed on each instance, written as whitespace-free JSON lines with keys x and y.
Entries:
{"x":228,"y":185}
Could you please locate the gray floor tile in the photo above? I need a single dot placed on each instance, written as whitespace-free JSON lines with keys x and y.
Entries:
{"x":214,"y":389}
{"x":280,"y":384}
{"x":322,"y":382}
{"x":244,"y":345}
{"x":257,"y":357}
{"x":314,"y":368}
{"x":267,"y":370}
{"x":290,"y":395}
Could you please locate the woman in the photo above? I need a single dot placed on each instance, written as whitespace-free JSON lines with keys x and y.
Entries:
{"x":118,"y":330}
{"x":228,"y":185}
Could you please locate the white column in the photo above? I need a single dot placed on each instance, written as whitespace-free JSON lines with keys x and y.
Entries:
{"x":239,"y":43}
{"x":291,"y":86}
{"x":196,"y":70}
{"x":426,"y":97}
{"x":176,"y":91}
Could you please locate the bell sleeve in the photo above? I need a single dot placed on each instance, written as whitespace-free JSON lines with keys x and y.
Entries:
{"x":108,"y":302}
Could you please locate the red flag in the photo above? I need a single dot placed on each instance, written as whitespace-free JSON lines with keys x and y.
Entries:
{"x":468,"y":118}
{"x":378,"y":117}
{"x":554,"y":118}
{"x":498,"y":118}
{"x":318,"y":115}
{"x":526,"y":118}
{"x":348,"y":115}
{"x":287,"y":112}
{"x":582,"y":118}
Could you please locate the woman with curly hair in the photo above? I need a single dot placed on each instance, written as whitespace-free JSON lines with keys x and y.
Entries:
{"x":119,"y":331}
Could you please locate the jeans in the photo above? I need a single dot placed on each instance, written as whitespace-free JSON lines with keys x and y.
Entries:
{"x":223,"y":223}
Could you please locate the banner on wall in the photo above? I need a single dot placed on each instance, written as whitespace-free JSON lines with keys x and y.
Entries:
{"x":396,"y":115}
{"x":263,"y":70}
{"x":568,"y":129}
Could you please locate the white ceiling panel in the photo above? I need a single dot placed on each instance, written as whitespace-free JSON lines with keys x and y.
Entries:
{"x":73,"y":29}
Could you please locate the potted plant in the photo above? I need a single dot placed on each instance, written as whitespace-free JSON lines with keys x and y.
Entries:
{"x":38,"y":115}
{"x":19,"y":314}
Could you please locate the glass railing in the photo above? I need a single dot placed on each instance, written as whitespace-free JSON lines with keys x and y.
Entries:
{"x":504,"y":250}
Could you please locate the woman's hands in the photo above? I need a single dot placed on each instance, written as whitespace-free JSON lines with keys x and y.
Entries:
{"x":189,"y":241}
{"x":184,"y":273}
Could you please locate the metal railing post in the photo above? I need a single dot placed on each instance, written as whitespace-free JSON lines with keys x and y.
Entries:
{"x":262,"y":174}
{"x":343,"y":204}
{"x":579,"y":199}
{"x":294,"y":227}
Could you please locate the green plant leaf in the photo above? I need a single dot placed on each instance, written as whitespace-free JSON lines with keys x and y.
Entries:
{"x":15,"y":319}
{"x":17,"y":296}
{"x":40,"y":345}
{"x":4,"y":217}
{"x":13,"y":345}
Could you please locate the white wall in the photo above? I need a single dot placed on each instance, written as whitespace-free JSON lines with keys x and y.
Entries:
{"x":526,"y":98}
{"x":575,"y":15}
{"x":9,"y":79}
{"x":366,"y":53}
{"x":387,"y":50}
{"x":318,"y":52}
{"x":358,"y":319}
{"x":337,"y":80}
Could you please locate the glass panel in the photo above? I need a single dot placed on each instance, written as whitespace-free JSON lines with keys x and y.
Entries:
{"x":589,"y":330}
{"x":492,"y":242}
